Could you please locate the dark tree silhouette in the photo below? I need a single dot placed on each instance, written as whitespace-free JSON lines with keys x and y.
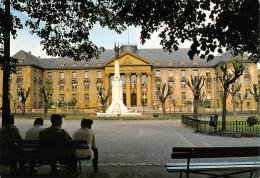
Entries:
{"x":195,"y":84}
{"x":227,"y":73}
{"x":24,"y":95}
{"x":162,"y":96}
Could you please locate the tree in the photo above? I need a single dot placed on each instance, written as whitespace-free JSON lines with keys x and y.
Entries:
{"x":162,"y":96}
{"x":23,"y":95}
{"x":103,"y":98}
{"x":256,"y":95}
{"x":14,"y":101}
{"x":195,"y":84}
{"x":234,"y":89}
{"x":73,"y":102}
{"x":241,"y":100}
{"x":44,"y":93}
{"x":230,"y":24}
{"x":227,"y":73}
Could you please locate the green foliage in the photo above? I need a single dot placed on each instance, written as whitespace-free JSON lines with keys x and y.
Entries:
{"x":252,"y":120}
{"x":63,"y":115}
{"x":50,"y":104}
{"x":155,"y":115}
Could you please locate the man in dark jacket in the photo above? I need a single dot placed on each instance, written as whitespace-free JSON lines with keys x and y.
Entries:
{"x":55,"y":140}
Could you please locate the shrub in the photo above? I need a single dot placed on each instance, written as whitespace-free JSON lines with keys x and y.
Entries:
{"x":63,"y":115}
{"x":252,"y":120}
{"x":155,"y":115}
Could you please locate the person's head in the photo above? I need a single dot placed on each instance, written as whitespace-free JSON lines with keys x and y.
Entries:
{"x":86,"y":123}
{"x":10,"y":121}
{"x":56,"y":120}
{"x":38,"y":121}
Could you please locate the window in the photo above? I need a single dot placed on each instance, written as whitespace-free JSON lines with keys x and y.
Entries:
{"x":248,"y":104}
{"x":158,"y":84}
{"x":49,"y":85}
{"x":99,"y":63}
{"x":74,"y":96}
{"x":86,"y":85}
{"x":207,"y":73}
{"x":61,"y":75}
{"x":62,"y":64}
{"x":20,"y":59}
{"x":74,"y":63}
{"x":61,"y":97}
{"x":98,"y":74}
{"x":74,"y":75}
{"x":49,"y":98}
{"x":183,"y":95}
{"x":87,"y":64}
{"x":195,"y":73}
{"x":194,"y":61}
{"x":182,"y":62}
{"x":183,"y":84}
{"x":236,"y":95}
{"x":133,"y":80}
{"x":158,"y":62}
{"x":123,"y":78}
{"x":99,"y":85}
{"x":170,"y":62}
{"x":158,"y":74}
{"x":86,"y":97}
{"x":61,"y":86}
{"x":246,"y":68}
{"x":74,"y":86}
{"x":170,"y":73}
{"x":236,"y":82}
{"x":171,"y":84}
{"x":247,"y":93}
{"x":49,"y":75}
{"x":171,"y":96}
{"x":183,"y":74}
{"x":208,"y":84}
{"x":19,"y":84}
{"x":208,"y":95}
{"x":143,"y":80}
{"x":19,"y":72}
{"x":86,"y":74}
{"x":246,"y":80}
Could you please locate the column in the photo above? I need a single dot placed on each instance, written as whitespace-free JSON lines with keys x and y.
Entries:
{"x":149,"y":89}
{"x":138,"y":89}
{"x":128,"y":89}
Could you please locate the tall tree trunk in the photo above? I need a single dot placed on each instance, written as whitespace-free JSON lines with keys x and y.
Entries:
{"x":195,"y":108}
{"x":45,"y":109}
{"x":241,"y":108}
{"x":103,"y":107}
{"x":23,"y":108}
{"x":6,"y":67}
{"x":224,"y":110}
{"x":163,"y":108}
{"x":258,"y":107}
{"x":234,"y":107}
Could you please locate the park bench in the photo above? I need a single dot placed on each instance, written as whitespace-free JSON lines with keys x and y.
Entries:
{"x":12,"y":151}
{"x":206,"y":167}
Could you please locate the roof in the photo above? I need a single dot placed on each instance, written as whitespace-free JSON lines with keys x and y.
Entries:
{"x":151,"y":55}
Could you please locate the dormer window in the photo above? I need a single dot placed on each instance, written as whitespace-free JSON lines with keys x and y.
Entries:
{"x":74,"y":63}
{"x":87,"y":63}
{"x":20,"y":59}
{"x":194,"y":61}
{"x":170,"y":62}
{"x":182,"y":62}
{"x":244,"y":56}
{"x":62,"y":64}
{"x":158,"y":62}
{"x":99,"y":63}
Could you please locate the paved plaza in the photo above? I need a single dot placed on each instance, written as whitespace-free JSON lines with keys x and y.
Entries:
{"x":142,"y":142}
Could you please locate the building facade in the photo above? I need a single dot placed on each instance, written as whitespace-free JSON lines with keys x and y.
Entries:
{"x":141,"y":71}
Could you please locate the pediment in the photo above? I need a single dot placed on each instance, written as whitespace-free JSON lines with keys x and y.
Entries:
{"x":129,"y":59}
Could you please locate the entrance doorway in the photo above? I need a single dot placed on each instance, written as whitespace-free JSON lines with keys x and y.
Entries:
{"x":124,"y":99}
{"x":133,"y":99}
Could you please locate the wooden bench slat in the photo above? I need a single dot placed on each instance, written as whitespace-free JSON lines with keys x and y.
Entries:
{"x":215,"y":163}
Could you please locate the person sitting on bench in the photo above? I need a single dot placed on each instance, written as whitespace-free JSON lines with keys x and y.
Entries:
{"x":55,"y":140}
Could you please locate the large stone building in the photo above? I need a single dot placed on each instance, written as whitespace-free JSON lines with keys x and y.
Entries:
{"x":140,"y":69}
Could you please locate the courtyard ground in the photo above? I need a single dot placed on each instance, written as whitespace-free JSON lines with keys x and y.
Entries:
{"x":139,"y":148}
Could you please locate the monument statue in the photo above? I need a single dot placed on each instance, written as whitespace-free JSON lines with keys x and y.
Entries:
{"x":117,"y":106}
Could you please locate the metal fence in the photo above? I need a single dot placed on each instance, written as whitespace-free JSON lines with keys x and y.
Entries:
{"x":233,"y":128}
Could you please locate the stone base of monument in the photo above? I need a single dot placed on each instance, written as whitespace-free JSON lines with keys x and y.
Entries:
{"x":129,"y":114}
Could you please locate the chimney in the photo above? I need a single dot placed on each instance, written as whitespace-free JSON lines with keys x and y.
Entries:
{"x":29,"y":53}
